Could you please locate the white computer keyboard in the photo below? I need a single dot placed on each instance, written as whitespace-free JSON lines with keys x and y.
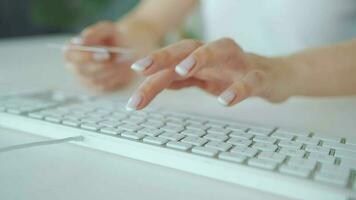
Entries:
{"x":297,"y":164}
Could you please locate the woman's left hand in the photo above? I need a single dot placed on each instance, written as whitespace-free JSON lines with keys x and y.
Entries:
{"x":221,"y":68}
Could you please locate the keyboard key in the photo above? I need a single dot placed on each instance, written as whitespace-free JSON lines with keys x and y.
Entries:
{"x":111,"y":131}
{"x":154,"y":140}
{"x":91,"y":127}
{"x":71,"y":122}
{"x":215,"y":124}
{"x":345,"y":154}
{"x":240,"y":134}
{"x":321,"y":157}
{"x":132,"y":135}
{"x":233,"y":157}
{"x":170,"y":128}
{"x":261,"y":163}
{"x":295,"y":170}
{"x":282,"y":135}
{"x":196,"y":121}
{"x":109,"y":123}
{"x":292,"y":152}
{"x":301,"y":162}
{"x":260,"y":131}
{"x":328,"y":138}
{"x":196,"y":133}
{"x":74,"y":117}
{"x":218,"y":131}
{"x":264,"y":139}
{"x":332,"y":168}
{"x":197,"y":127}
{"x":197,"y":141}
{"x":236,"y":127}
{"x":172,"y":136}
{"x":152,"y":124}
{"x":265,"y":146}
{"x":340,"y":146}
{"x":318,"y":149}
{"x":150,"y":131}
{"x":290,"y":144}
{"x":332,"y":178}
{"x":246,"y":151}
{"x":53,"y":119}
{"x":205,"y":151}
{"x":129,"y":127}
{"x":173,"y":123}
{"x":216,"y":137}
{"x":37,"y":115}
{"x":348,"y":162}
{"x":267,"y":155}
{"x":221,"y":146}
{"x":91,"y":120}
{"x":14,"y":110}
{"x":179,"y":145}
{"x":239,"y":142}
{"x":293,"y":132}
{"x":133,"y":121}
{"x":176,"y":118}
{"x":307,"y":140}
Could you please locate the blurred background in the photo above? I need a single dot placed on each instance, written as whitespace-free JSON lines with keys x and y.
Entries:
{"x":35,"y":17}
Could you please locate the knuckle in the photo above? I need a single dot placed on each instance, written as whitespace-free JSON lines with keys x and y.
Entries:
{"x":229,"y":42}
{"x":160,"y":55}
{"x":192,"y":42}
{"x":203,"y":54}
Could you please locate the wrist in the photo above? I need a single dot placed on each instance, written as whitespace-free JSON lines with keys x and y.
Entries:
{"x":139,"y":27}
{"x":281,"y":77}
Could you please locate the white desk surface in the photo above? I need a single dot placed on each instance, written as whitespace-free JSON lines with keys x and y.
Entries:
{"x":65,"y":171}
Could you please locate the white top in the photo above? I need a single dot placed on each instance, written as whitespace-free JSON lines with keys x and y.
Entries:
{"x":276,"y":27}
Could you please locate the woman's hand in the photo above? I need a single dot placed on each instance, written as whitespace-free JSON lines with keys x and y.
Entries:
{"x":220,"y":68}
{"x":104,"y":71}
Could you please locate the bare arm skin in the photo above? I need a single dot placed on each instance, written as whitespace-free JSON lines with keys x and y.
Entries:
{"x":325,"y":71}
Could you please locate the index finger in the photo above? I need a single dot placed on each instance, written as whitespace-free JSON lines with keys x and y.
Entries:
{"x":150,"y":88}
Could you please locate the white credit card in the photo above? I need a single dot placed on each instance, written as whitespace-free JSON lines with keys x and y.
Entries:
{"x":108,"y":49}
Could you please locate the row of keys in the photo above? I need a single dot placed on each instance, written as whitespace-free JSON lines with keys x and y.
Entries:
{"x":294,"y":153}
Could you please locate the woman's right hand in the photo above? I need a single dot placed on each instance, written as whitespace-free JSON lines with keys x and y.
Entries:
{"x":104,"y":71}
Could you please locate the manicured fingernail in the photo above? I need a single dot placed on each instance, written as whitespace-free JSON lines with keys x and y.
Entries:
{"x":142,"y":64}
{"x":133,"y":102}
{"x":226,"y":97}
{"x":77,"y":40}
{"x":101,"y":56}
{"x":185,"y":66}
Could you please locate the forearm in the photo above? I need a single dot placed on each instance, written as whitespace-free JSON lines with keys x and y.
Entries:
{"x":159,"y":16}
{"x":326,"y":71}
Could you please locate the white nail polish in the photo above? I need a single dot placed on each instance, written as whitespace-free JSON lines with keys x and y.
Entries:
{"x":133,"y":102}
{"x":77,"y":40}
{"x":101,"y":56}
{"x":227,"y":97}
{"x":142,"y":64}
{"x":184,"y":67}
